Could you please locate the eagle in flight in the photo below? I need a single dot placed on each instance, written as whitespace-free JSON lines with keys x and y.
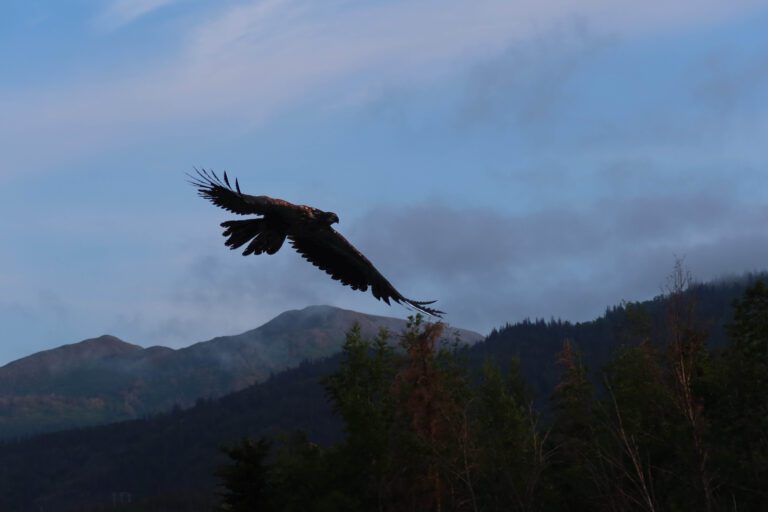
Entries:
{"x":309,"y":231}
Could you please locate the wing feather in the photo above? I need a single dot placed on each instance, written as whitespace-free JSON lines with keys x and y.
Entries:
{"x":221,"y":193}
{"x":328,"y":250}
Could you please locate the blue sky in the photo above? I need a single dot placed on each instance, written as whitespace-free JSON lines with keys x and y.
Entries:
{"x":510,"y":159}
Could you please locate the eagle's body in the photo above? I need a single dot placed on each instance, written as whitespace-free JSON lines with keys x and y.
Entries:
{"x":309,"y":231}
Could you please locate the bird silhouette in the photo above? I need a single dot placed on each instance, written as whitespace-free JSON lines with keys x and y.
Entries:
{"x":308,"y":230}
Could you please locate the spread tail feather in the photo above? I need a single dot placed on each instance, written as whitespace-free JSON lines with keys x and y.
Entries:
{"x":262,"y":238}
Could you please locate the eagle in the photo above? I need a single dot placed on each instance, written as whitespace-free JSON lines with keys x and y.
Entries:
{"x":309,"y":231}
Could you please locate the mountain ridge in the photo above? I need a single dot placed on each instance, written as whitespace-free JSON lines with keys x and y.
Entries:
{"x":105,"y":379}
{"x":90,"y":348}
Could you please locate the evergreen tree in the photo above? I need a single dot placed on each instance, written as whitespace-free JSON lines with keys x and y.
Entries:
{"x":576,"y":468}
{"x":740,"y":405}
{"x":511,"y":450}
{"x":360,"y":392}
{"x":306,"y":477}
{"x":245,"y":478}
{"x":636,"y":426}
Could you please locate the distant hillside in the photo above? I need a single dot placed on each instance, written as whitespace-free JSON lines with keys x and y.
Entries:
{"x":105,"y":379}
{"x":170,"y":459}
{"x":536,"y":342}
{"x":40,"y":366}
{"x":171,"y":455}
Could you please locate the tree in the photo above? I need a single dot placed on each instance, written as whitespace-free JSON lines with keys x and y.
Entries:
{"x":431,"y":441}
{"x":306,"y":477}
{"x":576,"y":475}
{"x":688,"y":359}
{"x":512,"y":453}
{"x":637,"y":423}
{"x":245,"y":479}
{"x":360,"y":392}
{"x":740,"y":404}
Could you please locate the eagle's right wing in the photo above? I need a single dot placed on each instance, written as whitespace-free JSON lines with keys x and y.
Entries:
{"x":329,"y":251}
{"x":221,"y":193}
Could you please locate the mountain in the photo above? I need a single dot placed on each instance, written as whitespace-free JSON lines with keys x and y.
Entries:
{"x":536,"y":342}
{"x":169,"y":457}
{"x":105,"y":379}
{"x":167,"y":462}
{"x":41,"y":365}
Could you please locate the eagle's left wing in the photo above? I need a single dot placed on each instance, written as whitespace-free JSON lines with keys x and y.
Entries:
{"x":221,"y":193}
{"x":328,"y":250}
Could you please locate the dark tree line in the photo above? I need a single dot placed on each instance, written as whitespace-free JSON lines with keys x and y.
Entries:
{"x":669,"y":424}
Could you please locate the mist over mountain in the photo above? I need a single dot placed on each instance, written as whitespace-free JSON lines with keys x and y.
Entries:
{"x":105,"y":379}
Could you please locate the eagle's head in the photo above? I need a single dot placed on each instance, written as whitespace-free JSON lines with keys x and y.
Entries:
{"x":327,"y":217}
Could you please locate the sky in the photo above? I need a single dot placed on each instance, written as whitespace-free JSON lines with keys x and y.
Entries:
{"x":510,"y":159}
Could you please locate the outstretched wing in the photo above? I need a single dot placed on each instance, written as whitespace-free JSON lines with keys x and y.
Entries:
{"x":221,"y":193}
{"x":331,"y":252}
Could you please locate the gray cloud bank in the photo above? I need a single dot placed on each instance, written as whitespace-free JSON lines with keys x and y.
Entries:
{"x":485,"y":267}
{"x":490,"y":267}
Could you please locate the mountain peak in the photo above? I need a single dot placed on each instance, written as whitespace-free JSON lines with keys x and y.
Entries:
{"x":106,"y":342}
{"x":307,"y":315}
{"x":67,"y":356}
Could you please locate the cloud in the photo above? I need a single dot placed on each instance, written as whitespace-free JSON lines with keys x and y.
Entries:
{"x":527,"y":87}
{"x":485,"y":266}
{"x":729,"y":82}
{"x":219,"y":293}
{"x":122,"y":12}
{"x":242,"y":62}
{"x":565,"y":261}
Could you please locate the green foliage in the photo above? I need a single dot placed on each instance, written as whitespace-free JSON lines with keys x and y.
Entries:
{"x":308,"y":478}
{"x":639,"y":432}
{"x":739,"y":403}
{"x":636,"y":382}
{"x":747,"y":357}
{"x":573,"y":434}
{"x":511,"y":453}
{"x":245,"y":478}
{"x":672,"y":427}
{"x":360,"y":393}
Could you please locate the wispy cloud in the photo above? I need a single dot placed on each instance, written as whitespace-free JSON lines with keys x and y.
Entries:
{"x":121,"y":12}
{"x":484,"y":264}
{"x":247,"y":60}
